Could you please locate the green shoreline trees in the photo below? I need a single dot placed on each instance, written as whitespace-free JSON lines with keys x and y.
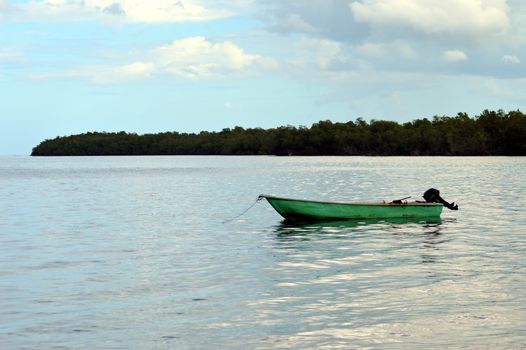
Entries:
{"x":490,"y":133}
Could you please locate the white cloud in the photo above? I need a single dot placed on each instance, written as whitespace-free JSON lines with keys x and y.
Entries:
{"x":128,"y":72}
{"x":371,"y":49}
{"x":510,"y":59}
{"x":454,"y":56}
{"x":405,"y":50}
{"x":103,"y":74}
{"x":330,"y":19}
{"x":401,"y":35}
{"x":295,"y":23}
{"x":11,"y":57}
{"x":191,"y":58}
{"x":321,"y":52}
{"x":4,"y":9}
{"x":152,"y":11}
{"x":339,"y":38}
{"x":323,"y":58}
{"x":514,"y":89}
{"x":455,"y":17}
{"x":396,"y":49}
{"x":197,"y":58}
{"x":320,"y":60}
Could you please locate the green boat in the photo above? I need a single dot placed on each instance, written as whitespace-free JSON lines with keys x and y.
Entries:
{"x":310,"y":210}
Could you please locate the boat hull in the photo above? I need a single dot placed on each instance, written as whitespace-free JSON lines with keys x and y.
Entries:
{"x":307,"y":210}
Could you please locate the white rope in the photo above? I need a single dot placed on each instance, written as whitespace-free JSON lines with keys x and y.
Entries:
{"x":243,"y":213}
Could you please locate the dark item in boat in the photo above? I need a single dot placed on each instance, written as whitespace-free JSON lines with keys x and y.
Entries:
{"x":433,"y":196}
{"x":399,"y":201}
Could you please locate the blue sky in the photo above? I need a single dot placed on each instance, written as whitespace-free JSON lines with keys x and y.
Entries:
{"x":72,"y":66}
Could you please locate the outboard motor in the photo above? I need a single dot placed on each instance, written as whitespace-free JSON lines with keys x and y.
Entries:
{"x":433,"y":196}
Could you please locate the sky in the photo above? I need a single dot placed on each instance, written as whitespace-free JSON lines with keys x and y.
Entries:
{"x":73,"y":66}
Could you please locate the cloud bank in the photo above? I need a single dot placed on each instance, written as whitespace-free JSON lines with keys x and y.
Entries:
{"x":416,"y":36}
{"x":120,"y":11}
{"x":474,"y":18}
{"x":325,"y":39}
{"x":193,"y":58}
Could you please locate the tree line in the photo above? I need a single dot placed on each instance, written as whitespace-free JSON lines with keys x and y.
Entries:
{"x":490,"y":133}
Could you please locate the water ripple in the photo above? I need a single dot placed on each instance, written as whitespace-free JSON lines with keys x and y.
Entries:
{"x":130,"y":252}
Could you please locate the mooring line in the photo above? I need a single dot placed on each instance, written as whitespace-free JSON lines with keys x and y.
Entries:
{"x":243,"y":213}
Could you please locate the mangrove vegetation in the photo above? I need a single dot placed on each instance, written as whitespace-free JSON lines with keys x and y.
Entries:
{"x":490,"y":133}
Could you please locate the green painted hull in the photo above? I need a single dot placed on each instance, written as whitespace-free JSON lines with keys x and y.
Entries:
{"x":307,"y":210}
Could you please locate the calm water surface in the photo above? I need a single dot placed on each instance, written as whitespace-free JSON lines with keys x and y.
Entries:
{"x":131,"y":253}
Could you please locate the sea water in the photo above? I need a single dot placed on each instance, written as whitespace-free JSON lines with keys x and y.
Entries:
{"x":133,"y":253}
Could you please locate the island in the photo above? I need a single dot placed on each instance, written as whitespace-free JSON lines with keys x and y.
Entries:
{"x":491,"y":133}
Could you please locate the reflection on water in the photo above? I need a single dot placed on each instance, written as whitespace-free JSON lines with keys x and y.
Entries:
{"x":297,"y":227}
{"x":384,"y":282}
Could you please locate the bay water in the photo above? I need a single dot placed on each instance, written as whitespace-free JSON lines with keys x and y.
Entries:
{"x":147,"y":253}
